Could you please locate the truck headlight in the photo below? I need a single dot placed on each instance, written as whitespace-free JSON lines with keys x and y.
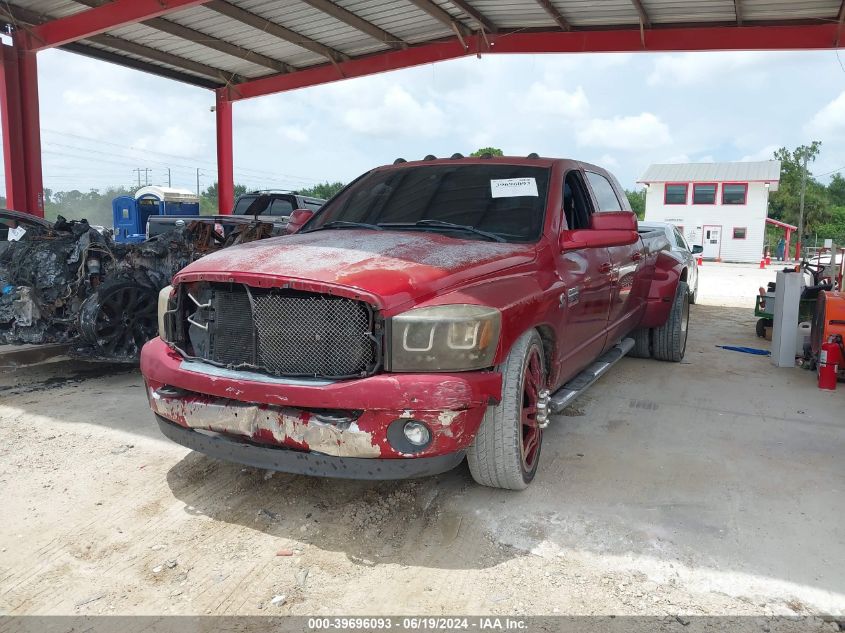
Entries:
{"x":166,"y":308}
{"x":444,"y":338}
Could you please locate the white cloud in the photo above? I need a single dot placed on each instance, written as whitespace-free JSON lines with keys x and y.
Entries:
{"x":399,"y":114}
{"x":293,"y":133}
{"x":100,"y":96}
{"x":830,"y":120}
{"x":765,"y":153}
{"x":697,"y":68}
{"x":643,"y":131}
{"x":609,"y":162}
{"x":556,"y":102}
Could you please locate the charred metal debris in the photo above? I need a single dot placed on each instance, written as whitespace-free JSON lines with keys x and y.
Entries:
{"x":69,"y":282}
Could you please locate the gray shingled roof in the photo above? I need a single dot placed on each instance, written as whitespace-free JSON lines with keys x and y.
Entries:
{"x":760,"y":171}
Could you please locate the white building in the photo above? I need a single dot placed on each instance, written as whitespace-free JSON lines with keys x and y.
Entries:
{"x":721,"y":206}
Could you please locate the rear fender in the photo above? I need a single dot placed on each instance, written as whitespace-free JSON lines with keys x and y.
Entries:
{"x":668,"y":271}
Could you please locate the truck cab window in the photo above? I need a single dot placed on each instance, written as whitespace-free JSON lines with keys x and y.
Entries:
{"x":603,"y":190}
{"x":280,"y":206}
{"x":576,"y":203}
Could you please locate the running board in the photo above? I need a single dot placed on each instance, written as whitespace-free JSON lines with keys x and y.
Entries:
{"x":567,"y":394}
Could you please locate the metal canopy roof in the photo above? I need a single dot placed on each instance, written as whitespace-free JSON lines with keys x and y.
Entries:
{"x":749,"y":171}
{"x":254,"y":47}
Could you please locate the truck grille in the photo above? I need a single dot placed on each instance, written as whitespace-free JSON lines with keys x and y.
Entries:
{"x":291,"y":333}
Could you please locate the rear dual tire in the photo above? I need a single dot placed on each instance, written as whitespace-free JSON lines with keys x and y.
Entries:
{"x":669,"y":341}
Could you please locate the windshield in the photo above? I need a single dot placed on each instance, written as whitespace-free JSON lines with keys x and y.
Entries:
{"x":504,"y":200}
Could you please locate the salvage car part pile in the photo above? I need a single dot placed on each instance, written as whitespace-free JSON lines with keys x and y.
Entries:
{"x":67,"y":282}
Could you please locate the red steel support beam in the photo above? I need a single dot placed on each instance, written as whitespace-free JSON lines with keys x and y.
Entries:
{"x":797,"y":37}
{"x":31,"y":129}
{"x":10,"y":117}
{"x":103,"y":18}
{"x":225,"y":163}
{"x":21,"y":128}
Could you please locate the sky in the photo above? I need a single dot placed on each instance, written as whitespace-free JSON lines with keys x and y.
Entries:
{"x":622,"y":111}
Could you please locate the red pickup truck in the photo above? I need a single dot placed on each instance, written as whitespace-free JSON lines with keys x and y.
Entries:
{"x":431,"y":311}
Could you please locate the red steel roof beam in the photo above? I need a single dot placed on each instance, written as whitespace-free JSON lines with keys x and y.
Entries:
{"x":101,"y":19}
{"x":795,"y":37}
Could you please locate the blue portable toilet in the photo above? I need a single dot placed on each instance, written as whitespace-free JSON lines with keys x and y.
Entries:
{"x":130,"y":213}
{"x":129,"y":224}
{"x":168,"y":200}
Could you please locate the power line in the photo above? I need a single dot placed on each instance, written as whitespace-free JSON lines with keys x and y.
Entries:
{"x":146,"y":152}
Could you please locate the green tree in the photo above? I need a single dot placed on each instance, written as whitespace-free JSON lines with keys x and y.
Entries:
{"x":784,"y":204}
{"x":834,"y":227}
{"x":324,"y":190}
{"x":636,"y":199}
{"x":836,"y":190}
{"x":493,"y":151}
{"x":209,"y":197}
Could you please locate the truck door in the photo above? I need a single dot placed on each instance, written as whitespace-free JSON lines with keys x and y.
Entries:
{"x":587,"y":282}
{"x":627,"y":296}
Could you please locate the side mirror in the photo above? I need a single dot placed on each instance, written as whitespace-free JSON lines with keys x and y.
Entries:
{"x":298,"y":219}
{"x":589,"y":238}
{"x":697,"y":248}
{"x":613,"y":221}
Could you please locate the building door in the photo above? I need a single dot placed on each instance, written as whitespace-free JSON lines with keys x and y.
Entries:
{"x":711,"y":241}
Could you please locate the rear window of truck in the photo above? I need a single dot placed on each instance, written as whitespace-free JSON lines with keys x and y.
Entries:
{"x":506,"y":200}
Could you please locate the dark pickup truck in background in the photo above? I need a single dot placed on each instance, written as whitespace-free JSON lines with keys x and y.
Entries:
{"x":271,"y":206}
{"x":431,"y":311}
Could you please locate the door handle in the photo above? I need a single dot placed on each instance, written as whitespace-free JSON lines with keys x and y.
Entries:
{"x":636,"y":257}
{"x":605,"y":268}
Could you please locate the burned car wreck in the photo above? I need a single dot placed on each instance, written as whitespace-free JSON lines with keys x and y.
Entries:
{"x":67,"y":282}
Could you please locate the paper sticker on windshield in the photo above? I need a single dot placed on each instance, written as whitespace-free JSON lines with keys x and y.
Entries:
{"x":16,"y":234}
{"x":513,"y":187}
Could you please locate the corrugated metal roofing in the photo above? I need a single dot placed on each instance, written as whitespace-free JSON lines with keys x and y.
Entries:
{"x":227,"y":41}
{"x":760,"y":171}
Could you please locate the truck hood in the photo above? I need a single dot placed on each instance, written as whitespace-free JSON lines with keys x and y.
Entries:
{"x":394,"y":267}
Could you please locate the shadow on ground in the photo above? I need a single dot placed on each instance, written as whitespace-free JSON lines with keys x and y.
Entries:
{"x":722,"y":463}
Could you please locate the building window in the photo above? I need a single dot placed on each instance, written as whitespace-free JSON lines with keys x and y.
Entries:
{"x":735,"y":193}
{"x":704,"y":193}
{"x":675,"y":193}
{"x":739,"y":233}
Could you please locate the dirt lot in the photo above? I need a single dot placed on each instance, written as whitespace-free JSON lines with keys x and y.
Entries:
{"x":710,"y":487}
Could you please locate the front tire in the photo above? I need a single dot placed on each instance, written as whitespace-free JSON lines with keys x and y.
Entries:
{"x":669,"y":341}
{"x":506,"y":450}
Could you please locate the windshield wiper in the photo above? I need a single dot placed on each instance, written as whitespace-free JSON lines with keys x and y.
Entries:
{"x":343,"y":224}
{"x":446,"y":225}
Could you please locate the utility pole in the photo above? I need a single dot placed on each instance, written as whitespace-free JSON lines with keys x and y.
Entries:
{"x":801,"y":207}
{"x":168,"y":177}
{"x":146,"y":171}
{"x":198,"y":182}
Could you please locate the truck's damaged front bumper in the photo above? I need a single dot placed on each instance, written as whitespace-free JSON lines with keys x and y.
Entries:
{"x":349,"y":428}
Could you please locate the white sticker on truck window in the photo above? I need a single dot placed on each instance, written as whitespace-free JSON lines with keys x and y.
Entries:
{"x":513,"y":187}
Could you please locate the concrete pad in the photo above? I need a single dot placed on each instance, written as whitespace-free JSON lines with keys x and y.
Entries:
{"x":712,"y":486}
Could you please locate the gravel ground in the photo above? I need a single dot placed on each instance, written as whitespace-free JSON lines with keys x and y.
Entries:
{"x":709,"y":487}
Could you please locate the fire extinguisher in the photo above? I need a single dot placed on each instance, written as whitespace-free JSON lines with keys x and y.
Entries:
{"x":830,"y":360}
